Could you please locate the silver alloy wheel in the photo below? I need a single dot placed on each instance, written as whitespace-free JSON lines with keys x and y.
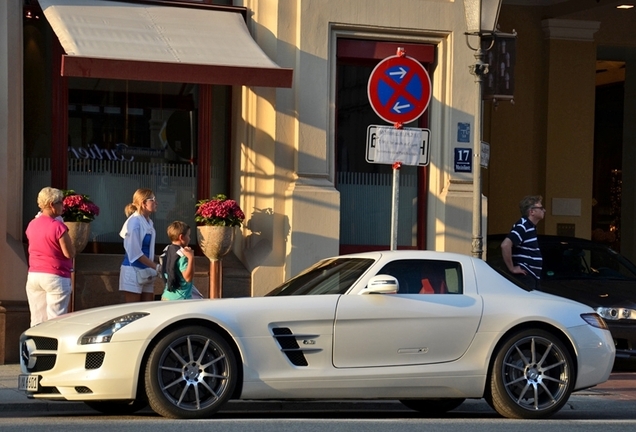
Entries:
{"x":536,"y":373}
{"x":193,"y":372}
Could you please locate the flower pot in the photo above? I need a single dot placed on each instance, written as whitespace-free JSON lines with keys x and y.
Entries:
{"x":215,"y":241}
{"x":79,"y":233}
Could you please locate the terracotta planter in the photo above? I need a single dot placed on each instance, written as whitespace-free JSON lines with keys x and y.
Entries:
{"x":80,"y":233}
{"x":215,"y":241}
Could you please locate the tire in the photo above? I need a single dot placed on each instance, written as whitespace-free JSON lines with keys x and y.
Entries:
{"x":532,"y":376}
{"x":432,"y":407}
{"x":117,"y":407}
{"x":190,"y":374}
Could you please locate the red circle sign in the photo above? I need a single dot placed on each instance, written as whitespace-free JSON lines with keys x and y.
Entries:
{"x":399,"y":89}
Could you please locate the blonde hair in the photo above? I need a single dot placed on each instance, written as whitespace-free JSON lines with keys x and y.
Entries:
{"x":139,"y":197}
{"x":48,"y":196}
{"x":177,"y":228}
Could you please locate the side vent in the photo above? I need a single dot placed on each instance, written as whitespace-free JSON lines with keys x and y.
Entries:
{"x":287,"y":342}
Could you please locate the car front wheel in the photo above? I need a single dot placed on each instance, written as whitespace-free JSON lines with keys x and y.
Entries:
{"x":532,"y":376}
{"x":191,"y":373}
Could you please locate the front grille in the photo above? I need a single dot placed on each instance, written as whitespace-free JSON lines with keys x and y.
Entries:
{"x":44,"y":343}
{"x":622,"y":344}
{"x":49,"y":390}
{"x":40,"y":352}
{"x":44,"y":363}
{"x":83,"y":390}
{"x":94,"y":360}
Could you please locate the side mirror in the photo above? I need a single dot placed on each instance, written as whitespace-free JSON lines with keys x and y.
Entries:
{"x":381,"y":284}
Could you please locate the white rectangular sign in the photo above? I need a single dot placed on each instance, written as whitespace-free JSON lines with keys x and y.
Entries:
{"x":387,"y":145}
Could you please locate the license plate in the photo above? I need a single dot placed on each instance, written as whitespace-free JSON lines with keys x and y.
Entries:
{"x":30,"y":383}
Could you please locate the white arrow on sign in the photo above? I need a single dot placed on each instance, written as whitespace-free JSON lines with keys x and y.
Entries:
{"x":397,"y":107}
{"x":401,"y":72}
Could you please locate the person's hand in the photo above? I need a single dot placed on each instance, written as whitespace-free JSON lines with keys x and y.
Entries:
{"x":518,"y":270}
{"x":188,"y":252}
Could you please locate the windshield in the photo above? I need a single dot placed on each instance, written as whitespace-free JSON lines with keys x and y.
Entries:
{"x":331,"y":276}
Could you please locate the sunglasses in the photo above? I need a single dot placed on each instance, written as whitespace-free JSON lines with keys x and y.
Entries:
{"x":151,"y":199}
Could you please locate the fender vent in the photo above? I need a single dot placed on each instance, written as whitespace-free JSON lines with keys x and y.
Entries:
{"x":288,"y":342}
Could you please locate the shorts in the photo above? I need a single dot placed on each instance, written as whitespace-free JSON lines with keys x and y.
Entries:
{"x":128,"y":281}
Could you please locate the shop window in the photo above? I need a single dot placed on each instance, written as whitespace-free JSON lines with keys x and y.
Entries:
{"x":115,"y":136}
{"x":128,"y":135}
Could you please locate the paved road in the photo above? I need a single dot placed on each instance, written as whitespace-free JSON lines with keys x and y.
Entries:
{"x":612,"y":400}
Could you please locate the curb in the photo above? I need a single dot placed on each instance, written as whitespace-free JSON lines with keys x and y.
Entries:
{"x":231,"y":406}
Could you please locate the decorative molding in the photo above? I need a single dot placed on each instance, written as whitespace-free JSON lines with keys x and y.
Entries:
{"x":575,"y":30}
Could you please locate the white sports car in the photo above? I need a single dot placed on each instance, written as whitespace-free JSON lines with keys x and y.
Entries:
{"x":427,"y":328}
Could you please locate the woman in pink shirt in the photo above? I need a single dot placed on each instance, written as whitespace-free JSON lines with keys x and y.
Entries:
{"x":51,"y":253}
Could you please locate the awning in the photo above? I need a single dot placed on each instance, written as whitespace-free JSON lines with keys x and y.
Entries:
{"x":110,"y":39}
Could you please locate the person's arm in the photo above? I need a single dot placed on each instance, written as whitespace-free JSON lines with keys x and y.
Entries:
{"x":506,"y":253}
{"x":67,"y":246}
{"x":147,"y":262}
{"x":188,"y":272}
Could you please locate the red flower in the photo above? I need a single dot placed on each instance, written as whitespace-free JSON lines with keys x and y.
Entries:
{"x":78,"y":207}
{"x":219,"y":211}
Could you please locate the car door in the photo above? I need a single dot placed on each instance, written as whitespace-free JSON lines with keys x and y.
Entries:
{"x":408,"y":328}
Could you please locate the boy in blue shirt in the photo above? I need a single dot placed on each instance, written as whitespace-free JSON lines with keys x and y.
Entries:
{"x":178,"y":263}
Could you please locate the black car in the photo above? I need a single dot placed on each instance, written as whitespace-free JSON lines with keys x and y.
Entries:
{"x":590,"y":273}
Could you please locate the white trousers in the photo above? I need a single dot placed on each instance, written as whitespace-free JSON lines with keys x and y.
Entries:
{"x":48,"y":296}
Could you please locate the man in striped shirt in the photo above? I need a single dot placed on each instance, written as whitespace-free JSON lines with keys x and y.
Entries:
{"x":520,"y":249}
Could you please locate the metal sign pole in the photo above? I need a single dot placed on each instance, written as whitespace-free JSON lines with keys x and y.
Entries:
{"x":399,"y":91}
{"x":395,"y":202}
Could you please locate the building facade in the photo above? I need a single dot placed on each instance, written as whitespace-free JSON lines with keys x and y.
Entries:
{"x":279,"y":121}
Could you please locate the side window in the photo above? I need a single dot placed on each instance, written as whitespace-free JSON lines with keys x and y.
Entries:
{"x":426,"y":276}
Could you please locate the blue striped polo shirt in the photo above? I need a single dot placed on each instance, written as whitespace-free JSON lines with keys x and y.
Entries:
{"x":525,"y":249}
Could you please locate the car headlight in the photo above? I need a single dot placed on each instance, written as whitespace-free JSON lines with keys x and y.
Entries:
{"x":614,"y":314}
{"x":594,"y":320}
{"x":105,"y":332}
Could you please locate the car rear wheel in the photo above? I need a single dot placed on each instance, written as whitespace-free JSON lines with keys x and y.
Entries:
{"x":532,"y":376}
{"x":432,"y":407}
{"x":191,"y":373}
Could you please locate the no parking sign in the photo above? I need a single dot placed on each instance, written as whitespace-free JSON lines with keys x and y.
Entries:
{"x":399,"y":89}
